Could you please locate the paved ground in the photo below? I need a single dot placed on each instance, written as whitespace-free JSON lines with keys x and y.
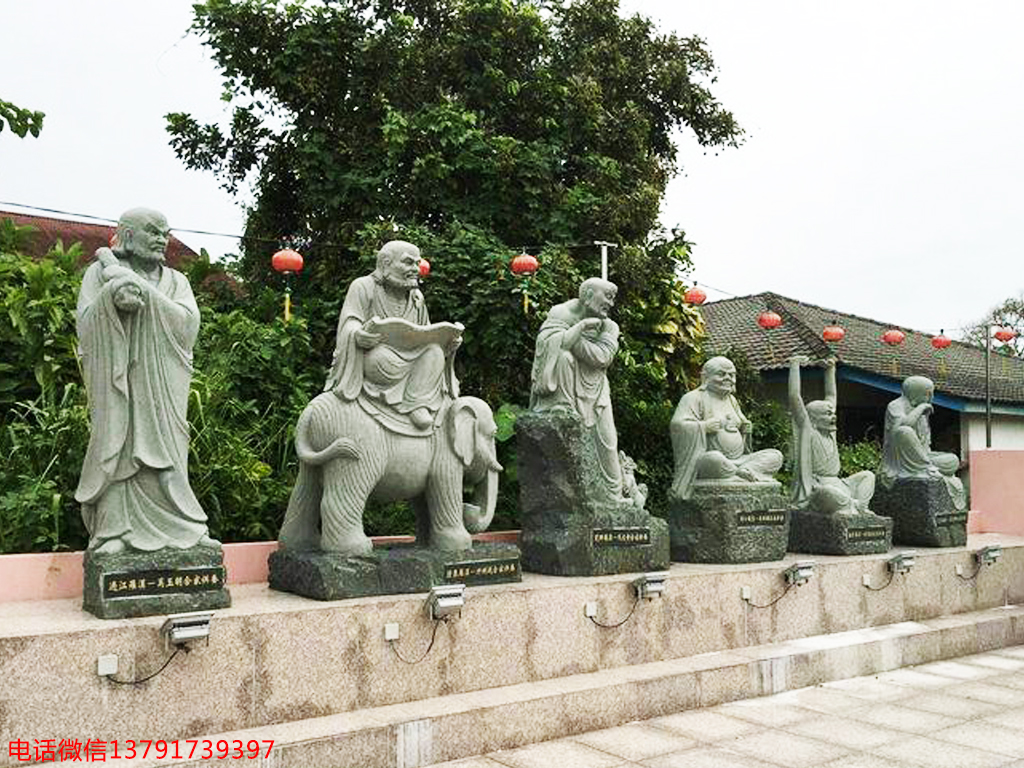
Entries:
{"x":967,"y":713}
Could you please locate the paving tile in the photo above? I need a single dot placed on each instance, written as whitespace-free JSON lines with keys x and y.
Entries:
{"x":765,"y":711}
{"x":993,"y":737}
{"x":931,"y":753}
{"x":562,"y":753}
{"x":1015,"y":651}
{"x":956,"y":670}
{"x":820,"y":700}
{"x":787,"y":749}
{"x":868,"y":761}
{"x":1013,"y":718}
{"x":995,"y":661}
{"x":869,"y":689}
{"x":636,"y":741}
{"x":943,"y":703}
{"x":903,"y":718}
{"x":706,"y":757}
{"x":845,"y":732}
{"x":1015,"y":681}
{"x":986,"y":691}
{"x":913,"y":678}
{"x":470,"y":762}
{"x":705,"y":725}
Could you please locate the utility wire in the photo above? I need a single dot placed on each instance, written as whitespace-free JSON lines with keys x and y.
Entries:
{"x":178,"y":649}
{"x":618,"y":623}
{"x":430,"y":645}
{"x":785,"y":592}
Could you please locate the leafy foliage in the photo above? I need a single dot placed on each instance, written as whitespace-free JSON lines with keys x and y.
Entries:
{"x":20,"y":120}
{"x":854,"y":457}
{"x":1011,"y":314}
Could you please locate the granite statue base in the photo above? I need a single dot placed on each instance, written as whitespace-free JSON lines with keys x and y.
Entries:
{"x":729,"y":523}
{"x":391,"y":570}
{"x":130,"y":584}
{"x":570,"y":524}
{"x":833,"y":534}
{"x":922,"y":512}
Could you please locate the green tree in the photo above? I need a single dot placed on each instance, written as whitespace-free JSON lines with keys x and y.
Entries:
{"x":1009,"y":313}
{"x":473,"y":128}
{"x":20,"y":120}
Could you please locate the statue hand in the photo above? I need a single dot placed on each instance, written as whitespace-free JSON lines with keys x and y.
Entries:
{"x":746,"y":426}
{"x":128,"y":297}
{"x":799,"y":360}
{"x":829,"y":362}
{"x":590,"y":324}
{"x":712,"y":425}
{"x":453,"y":346}
{"x":365,"y":339}
{"x":926,"y":409}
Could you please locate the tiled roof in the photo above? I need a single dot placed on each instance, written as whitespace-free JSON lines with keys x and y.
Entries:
{"x":91,"y":236}
{"x":958,"y":370}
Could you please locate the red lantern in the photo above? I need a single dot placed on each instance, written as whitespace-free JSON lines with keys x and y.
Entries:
{"x":1005,"y":334}
{"x":941,"y":341}
{"x":833,"y":332}
{"x":894,"y":337}
{"x":524,"y":264}
{"x":695,"y":295}
{"x":424,"y":267}
{"x":769,"y":320}
{"x":287,"y":261}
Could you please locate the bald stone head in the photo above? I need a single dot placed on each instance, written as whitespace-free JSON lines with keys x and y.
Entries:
{"x":718,"y":375}
{"x":398,"y":264}
{"x":918,"y":389}
{"x":142,"y":233}
{"x":597,"y":297}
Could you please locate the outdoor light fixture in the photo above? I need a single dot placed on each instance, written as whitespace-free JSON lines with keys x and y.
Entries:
{"x":902,"y":562}
{"x":446,"y":601}
{"x":182,"y":629}
{"x":988,"y":555}
{"x":799,"y":573}
{"x":650,"y":585}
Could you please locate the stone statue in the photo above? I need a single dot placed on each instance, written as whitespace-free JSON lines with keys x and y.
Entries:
{"x":907,"y":445}
{"x":817,"y":486}
{"x":401,"y":378}
{"x":575,"y":347}
{"x":137,"y":322}
{"x":711,"y":436}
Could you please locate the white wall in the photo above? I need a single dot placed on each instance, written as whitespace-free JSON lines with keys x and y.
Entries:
{"x":1007,"y":432}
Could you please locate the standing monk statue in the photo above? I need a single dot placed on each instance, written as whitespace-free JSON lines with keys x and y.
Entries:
{"x":575,"y":347}
{"x":816,"y":482}
{"x":711,"y":436}
{"x":907,"y":444}
{"x":137,"y":322}
{"x":400,"y":378}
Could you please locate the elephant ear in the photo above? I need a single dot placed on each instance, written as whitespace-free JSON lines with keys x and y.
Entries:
{"x":462,"y":432}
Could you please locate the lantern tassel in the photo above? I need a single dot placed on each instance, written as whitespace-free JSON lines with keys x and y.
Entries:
{"x":287,"y":305}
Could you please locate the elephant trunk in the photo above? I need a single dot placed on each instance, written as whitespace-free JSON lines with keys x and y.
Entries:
{"x":478,"y":515}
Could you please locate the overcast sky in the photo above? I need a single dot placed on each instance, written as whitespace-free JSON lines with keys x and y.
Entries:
{"x":882,"y":172}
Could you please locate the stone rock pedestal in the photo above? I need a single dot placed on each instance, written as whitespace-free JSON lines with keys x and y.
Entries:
{"x":570,"y":525}
{"x":922,"y":512}
{"x":391,"y":570}
{"x":834,"y":534}
{"x":729,"y":523}
{"x":129,"y":584}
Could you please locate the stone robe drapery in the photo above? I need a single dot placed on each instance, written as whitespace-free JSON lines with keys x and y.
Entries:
{"x":576,"y":378}
{"x":388,"y":383}
{"x":137,"y":367}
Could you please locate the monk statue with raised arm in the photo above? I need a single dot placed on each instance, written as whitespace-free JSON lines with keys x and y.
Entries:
{"x":711,"y":436}
{"x":816,"y":483}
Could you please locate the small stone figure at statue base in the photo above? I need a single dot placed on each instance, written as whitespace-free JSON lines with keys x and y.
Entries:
{"x":570,"y":525}
{"x":730,"y":523}
{"x":397,"y":569}
{"x":923,"y":513}
{"x":130,"y":584}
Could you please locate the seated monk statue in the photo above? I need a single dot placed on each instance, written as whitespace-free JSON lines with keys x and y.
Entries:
{"x":907,"y":445}
{"x":575,"y":347}
{"x":816,"y":482}
{"x":402,"y":388}
{"x":711,"y":436}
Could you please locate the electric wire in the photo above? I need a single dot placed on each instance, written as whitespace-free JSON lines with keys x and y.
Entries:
{"x":785,"y":592}
{"x":892,"y":575}
{"x":430,"y":645}
{"x":973,"y":576}
{"x":629,"y":615}
{"x":178,"y":649}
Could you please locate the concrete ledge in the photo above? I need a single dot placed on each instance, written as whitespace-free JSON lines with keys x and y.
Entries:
{"x":463,"y":725}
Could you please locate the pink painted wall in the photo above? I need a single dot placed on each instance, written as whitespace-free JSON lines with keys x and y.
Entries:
{"x":51,"y":576}
{"x":997,"y":491}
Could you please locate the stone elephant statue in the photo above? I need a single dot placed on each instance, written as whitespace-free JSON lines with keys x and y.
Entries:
{"x":347,"y":458}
